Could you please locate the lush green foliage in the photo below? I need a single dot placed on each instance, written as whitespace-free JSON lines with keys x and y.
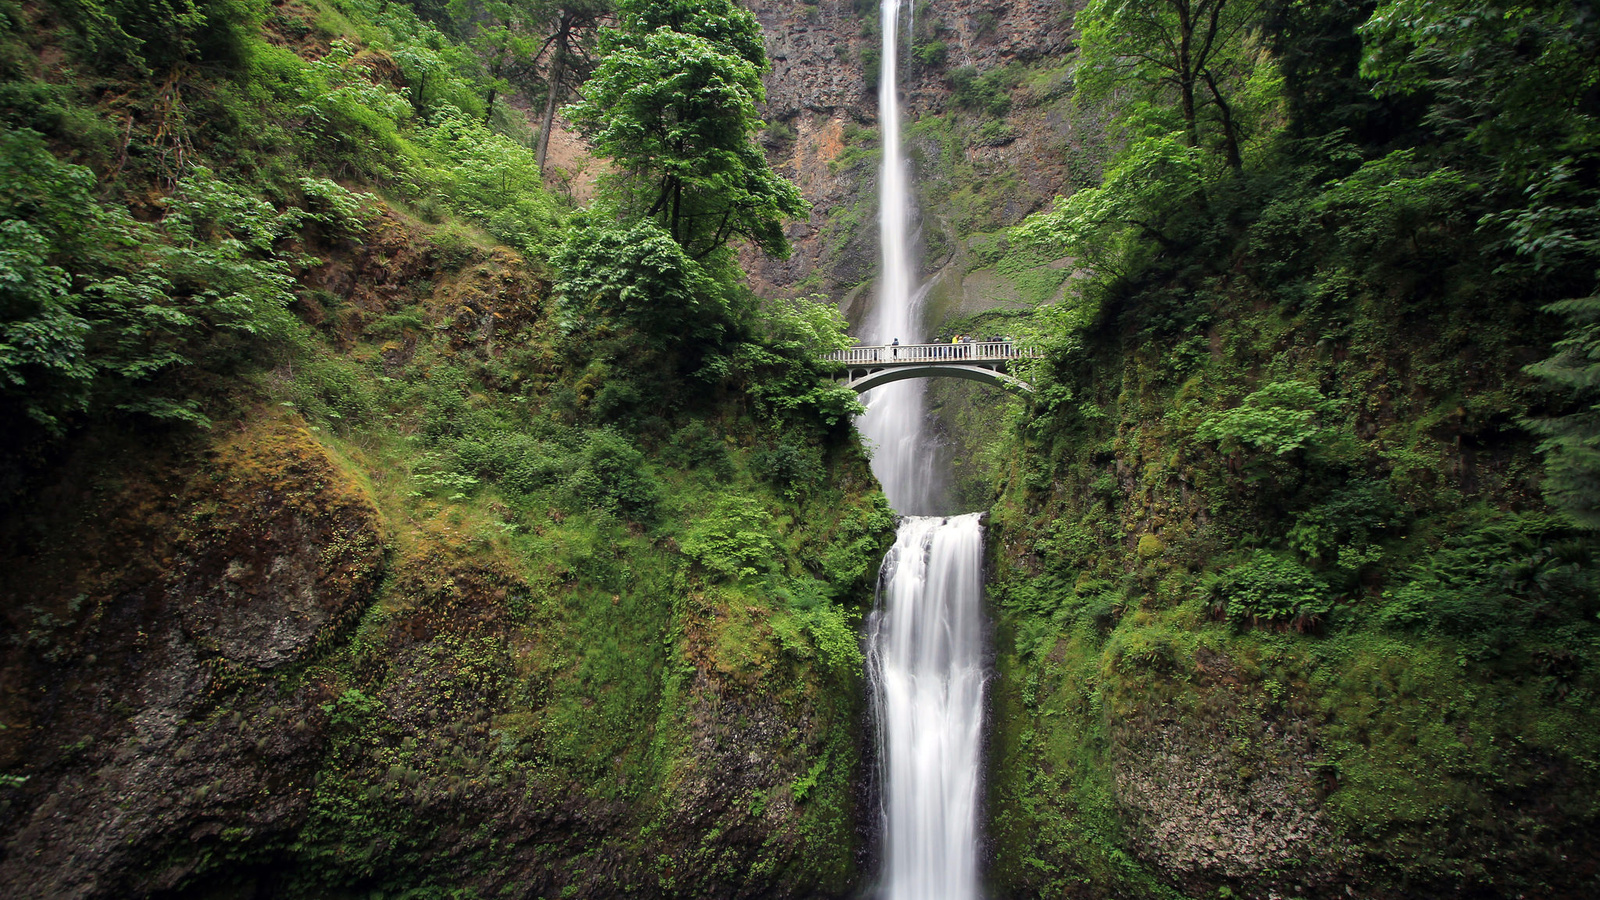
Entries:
{"x":1193,"y":54}
{"x":602,"y":554}
{"x":1276,"y":496}
{"x":100,"y":306}
{"x":1270,"y":588}
{"x":673,"y":104}
{"x":636,"y":276}
{"x":1278,"y":419}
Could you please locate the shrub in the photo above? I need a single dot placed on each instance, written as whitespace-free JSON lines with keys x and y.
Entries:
{"x":1496,"y":578}
{"x":987,"y":93}
{"x":697,"y":446}
{"x":612,"y":477}
{"x":1353,"y":517}
{"x":795,"y":467}
{"x":734,"y":541}
{"x":636,"y":277}
{"x":91,"y":298}
{"x":157,"y":35}
{"x":1278,"y":419}
{"x":932,"y":54}
{"x":331,"y":390}
{"x":995,"y":134}
{"x":1269,"y":588}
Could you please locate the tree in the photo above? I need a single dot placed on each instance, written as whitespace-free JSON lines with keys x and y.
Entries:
{"x":571,"y":25}
{"x":1194,"y":49}
{"x":1514,"y":91}
{"x":504,"y":39}
{"x":635,"y":278}
{"x":1111,"y":228}
{"x":1572,"y":442}
{"x":1519,"y":82}
{"x":673,"y":104}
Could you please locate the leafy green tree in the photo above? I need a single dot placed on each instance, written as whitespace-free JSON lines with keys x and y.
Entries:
{"x":1109,"y":228}
{"x":99,"y":309}
{"x":1572,"y":442}
{"x":673,"y":104}
{"x":506,"y":39}
{"x":635,"y":277}
{"x":1194,"y":51}
{"x":155,"y":36}
{"x":1515,"y":81}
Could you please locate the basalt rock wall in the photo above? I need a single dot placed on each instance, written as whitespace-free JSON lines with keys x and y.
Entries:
{"x":822,"y":115}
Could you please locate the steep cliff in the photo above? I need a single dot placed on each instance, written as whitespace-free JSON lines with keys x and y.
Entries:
{"x":293,"y":656}
{"x":446,"y":601}
{"x":1235,"y":662}
{"x":992,"y":140}
{"x":335,"y":560}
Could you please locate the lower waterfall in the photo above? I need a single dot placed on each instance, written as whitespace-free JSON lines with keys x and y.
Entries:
{"x":926,"y":666}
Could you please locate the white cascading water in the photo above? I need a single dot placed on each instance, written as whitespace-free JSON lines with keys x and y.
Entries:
{"x":925,"y":645}
{"x":893,"y":423}
{"x":925,"y":639}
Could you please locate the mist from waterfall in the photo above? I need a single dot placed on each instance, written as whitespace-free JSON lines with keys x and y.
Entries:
{"x":925,"y":638}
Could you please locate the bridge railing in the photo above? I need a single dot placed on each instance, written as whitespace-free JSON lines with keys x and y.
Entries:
{"x":889,"y":354}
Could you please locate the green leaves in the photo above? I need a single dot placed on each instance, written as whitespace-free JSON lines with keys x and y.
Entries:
{"x":96,"y":305}
{"x":1191,"y":54}
{"x":734,"y":540}
{"x":1278,"y":419}
{"x":673,"y":104}
{"x":41,"y":333}
{"x":1269,"y":588}
{"x":635,"y":276}
{"x":1107,"y":229}
{"x":1571,"y":442}
{"x":492,"y":181}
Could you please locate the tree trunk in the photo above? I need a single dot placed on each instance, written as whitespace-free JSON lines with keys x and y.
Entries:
{"x":1186,"y":73}
{"x":1230,"y":128}
{"x":558,"y":67}
{"x":494,"y":85}
{"x":549,"y":121}
{"x":677,"y":206}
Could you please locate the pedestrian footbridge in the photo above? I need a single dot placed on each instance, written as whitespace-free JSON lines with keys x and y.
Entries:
{"x":867,"y":367}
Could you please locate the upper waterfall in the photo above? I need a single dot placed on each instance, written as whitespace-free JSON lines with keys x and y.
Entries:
{"x":894,"y":420}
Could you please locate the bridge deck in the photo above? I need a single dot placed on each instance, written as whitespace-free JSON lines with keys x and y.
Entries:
{"x":887,"y":355}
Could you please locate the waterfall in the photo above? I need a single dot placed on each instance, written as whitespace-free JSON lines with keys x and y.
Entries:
{"x":925,"y":645}
{"x":893,"y":424}
{"x":925,"y":650}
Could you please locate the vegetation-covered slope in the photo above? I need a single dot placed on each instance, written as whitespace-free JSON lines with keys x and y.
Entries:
{"x":1285,"y":607}
{"x":354,"y":548}
{"x":378,"y":523}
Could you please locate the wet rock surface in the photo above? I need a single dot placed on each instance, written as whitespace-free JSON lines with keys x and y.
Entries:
{"x":1227,"y":790}
{"x":261,"y":555}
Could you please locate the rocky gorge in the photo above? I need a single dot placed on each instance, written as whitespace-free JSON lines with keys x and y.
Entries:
{"x":434,"y":596}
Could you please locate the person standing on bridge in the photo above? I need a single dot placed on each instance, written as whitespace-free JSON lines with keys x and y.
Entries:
{"x":894,"y":348}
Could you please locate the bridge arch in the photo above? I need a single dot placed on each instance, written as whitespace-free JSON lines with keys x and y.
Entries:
{"x":865,"y":367}
{"x":863,"y":380}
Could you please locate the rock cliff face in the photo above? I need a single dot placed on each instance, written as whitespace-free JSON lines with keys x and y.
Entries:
{"x":822,"y":112}
{"x":258,"y":662}
{"x":181,"y":585}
